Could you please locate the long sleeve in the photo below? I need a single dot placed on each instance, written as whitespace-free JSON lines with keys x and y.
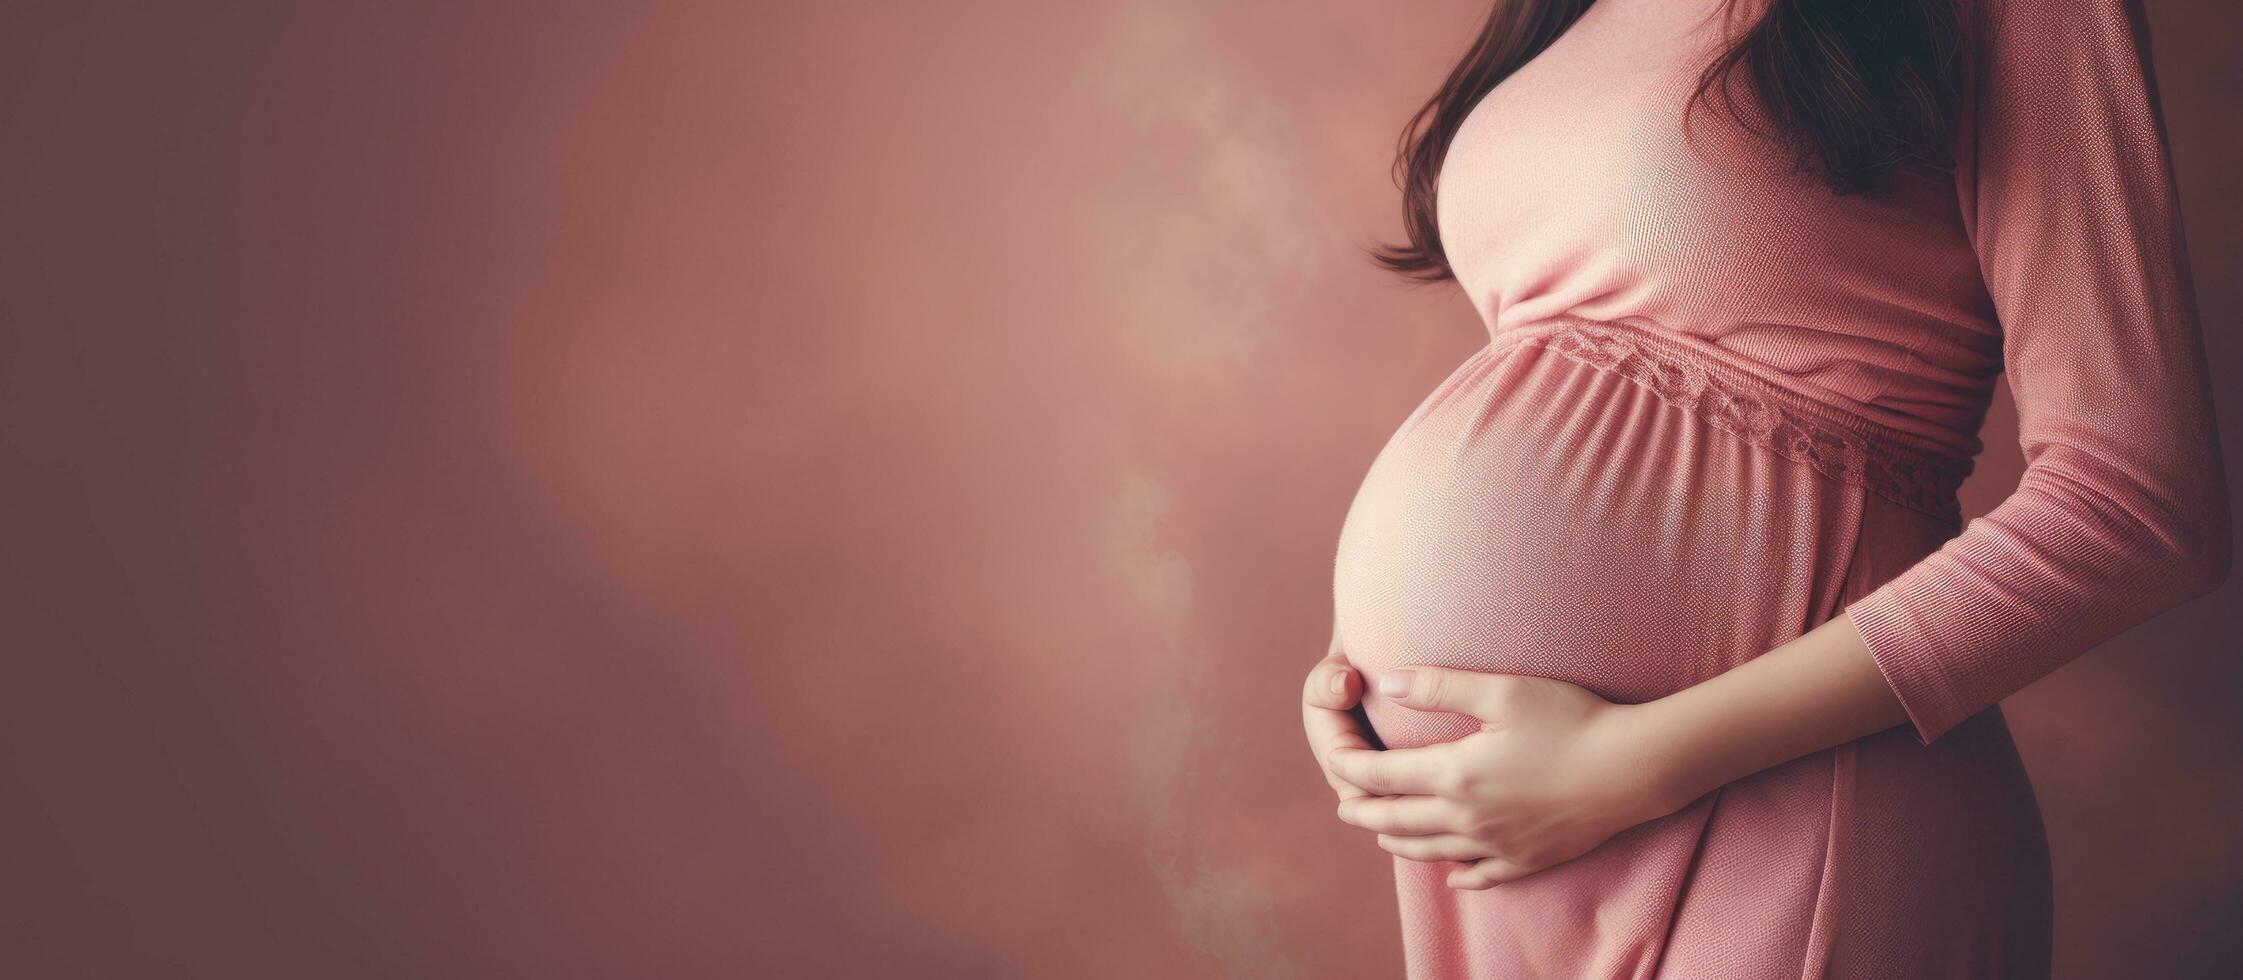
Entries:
{"x":2067,"y":188}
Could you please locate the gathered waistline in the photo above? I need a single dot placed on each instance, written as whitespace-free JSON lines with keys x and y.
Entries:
{"x":1842,"y":445}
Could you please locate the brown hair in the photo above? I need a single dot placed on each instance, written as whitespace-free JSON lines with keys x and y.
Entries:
{"x":1853,"y":89}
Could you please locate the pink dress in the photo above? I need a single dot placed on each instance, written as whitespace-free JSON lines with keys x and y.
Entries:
{"x":1720,"y":404}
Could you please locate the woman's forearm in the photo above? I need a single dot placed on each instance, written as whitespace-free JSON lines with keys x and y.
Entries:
{"x":1818,"y":690}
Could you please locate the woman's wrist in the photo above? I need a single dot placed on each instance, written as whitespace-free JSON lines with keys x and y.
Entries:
{"x":1819,"y":690}
{"x":1675,"y":760}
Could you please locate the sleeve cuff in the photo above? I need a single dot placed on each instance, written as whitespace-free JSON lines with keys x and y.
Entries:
{"x":1911,"y":662}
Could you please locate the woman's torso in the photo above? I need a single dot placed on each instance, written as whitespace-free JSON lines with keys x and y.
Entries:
{"x":1762,"y":371}
{"x":1570,"y":189}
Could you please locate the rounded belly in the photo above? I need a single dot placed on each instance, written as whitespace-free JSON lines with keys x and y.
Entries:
{"x":1539,"y":515}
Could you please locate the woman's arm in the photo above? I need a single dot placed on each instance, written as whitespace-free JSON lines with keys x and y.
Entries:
{"x":2066,"y":186}
{"x":2066,"y":189}
{"x":1821,"y":689}
{"x":1556,"y":770}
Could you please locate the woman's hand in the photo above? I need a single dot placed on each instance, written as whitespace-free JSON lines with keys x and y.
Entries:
{"x":1328,"y":712}
{"x":1553,"y":772}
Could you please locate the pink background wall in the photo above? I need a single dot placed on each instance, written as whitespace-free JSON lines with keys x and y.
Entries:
{"x":788,"y":488}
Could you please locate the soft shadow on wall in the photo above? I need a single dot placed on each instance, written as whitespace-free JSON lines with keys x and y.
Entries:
{"x":788,"y":490}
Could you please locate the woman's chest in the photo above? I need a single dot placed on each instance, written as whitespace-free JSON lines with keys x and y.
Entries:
{"x":1597,"y":174}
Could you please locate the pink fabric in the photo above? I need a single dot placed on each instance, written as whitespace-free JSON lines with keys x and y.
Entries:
{"x":1719,"y":405}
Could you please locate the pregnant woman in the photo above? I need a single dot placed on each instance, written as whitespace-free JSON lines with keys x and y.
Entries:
{"x":1660,"y":645}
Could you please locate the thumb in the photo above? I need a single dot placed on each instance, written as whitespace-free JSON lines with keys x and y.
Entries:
{"x":1468,"y":692}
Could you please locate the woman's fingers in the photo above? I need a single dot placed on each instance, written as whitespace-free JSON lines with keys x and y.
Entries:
{"x":1329,"y":730}
{"x":1488,"y":873}
{"x":1482,"y":695}
{"x":1437,"y":847}
{"x":1327,"y":699}
{"x":1425,"y":770}
{"x":1411,"y":816}
{"x":1333,"y":684}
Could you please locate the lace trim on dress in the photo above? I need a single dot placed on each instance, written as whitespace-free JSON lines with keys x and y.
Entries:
{"x":1845,"y":448}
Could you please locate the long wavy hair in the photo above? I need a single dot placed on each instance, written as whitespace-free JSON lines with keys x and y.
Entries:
{"x":1854,"y":89}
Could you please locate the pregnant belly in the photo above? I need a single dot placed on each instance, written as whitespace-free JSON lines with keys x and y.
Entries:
{"x":1540,"y":515}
